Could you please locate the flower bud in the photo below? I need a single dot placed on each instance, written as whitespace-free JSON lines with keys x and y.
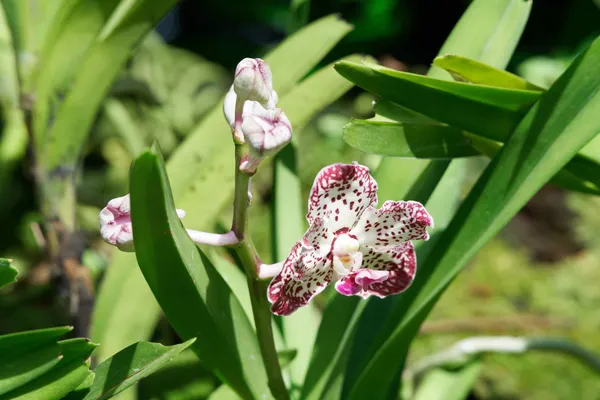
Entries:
{"x":253,"y":80}
{"x":265,"y":131}
{"x":115,"y":223}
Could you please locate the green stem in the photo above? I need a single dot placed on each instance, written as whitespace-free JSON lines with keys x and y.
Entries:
{"x":258,"y":290}
{"x":240,"y":202}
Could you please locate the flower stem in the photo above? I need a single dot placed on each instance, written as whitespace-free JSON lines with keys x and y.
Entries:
{"x":258,"y":290}
{"x":213,"y":239}
{"x":240,"y":202}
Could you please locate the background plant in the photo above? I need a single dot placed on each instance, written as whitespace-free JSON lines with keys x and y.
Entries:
{"x":74,"y":108}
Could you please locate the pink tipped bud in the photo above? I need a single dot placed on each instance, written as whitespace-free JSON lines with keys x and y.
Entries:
{"x":115,"y":223}
{"x":253,"y":80}
{"x":265,"y":131}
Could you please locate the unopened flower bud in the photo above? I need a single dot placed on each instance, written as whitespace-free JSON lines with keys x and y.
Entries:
{"x":253,"y":80}
{"x":115,"y":223}
{"x":265,"y":131}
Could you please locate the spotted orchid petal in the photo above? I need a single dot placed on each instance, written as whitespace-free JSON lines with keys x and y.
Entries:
{"x":302,"y":277}
{"x":388,"y":271}
{"x":343,"y":191}
{"x":395,"y":222}
{"x":115,"y":223}
{"x":265,"y":131}
{"x":358,"y":283}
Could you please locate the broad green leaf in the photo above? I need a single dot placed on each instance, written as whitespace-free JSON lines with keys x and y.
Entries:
{"x":14,"y":139}
{"x":102,"y":63}
{"x":54,"y":385}
{"x":560,"y":124}
{"x":223,"y":392}
{"x":21,"y":342}
{"x":203,"y":164}
{"x":581,"y":174}
{"x":66,"y":376}
{"x":299,"y":53}
{"x":25,"y":367}
{"x":396,"y":112}
{"x":184,"y":282}
{"x":465,"y":69}
{"x":440,"y":141}
{"x":182,"y":378}
{"x":8,"y":274}
{"x":82,"y":389}
{"x":331,"y":346}
{"x":441,"y":384}
{"x":131,"y":365}
{"x":78,"y":349}
{"x":489,"y":111}
{"x":286,"y":357}
{"x":499,"y":24}
{"x":125,"y":126}
{"x":408,"y":140}
{"x":70,"y":36}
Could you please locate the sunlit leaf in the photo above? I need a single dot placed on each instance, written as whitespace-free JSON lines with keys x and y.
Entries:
{"x":492,"y":112}
{"x":129,"y":366}
{"x":468,"y":70}
{"x":408,"y":140}
{"x":185,"y":283}
{"x":21,"y":369}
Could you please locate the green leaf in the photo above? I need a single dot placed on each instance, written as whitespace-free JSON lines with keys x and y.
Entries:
{"x":286,"y":357}
{"x":183,"y":378}
{"x":332,"y":347}
{"x":489,"y":111}
{"x":185,"y":283}
{"x":131,"y":365}
{"x":441,"y":384}
{"x":301,"y":52}
{"x":8,"y":273}
{"x":66,"y":376}
{"x":581,"y":174}
{"x":396,"y":112}
{"x":549,"y":136}
{"x":408,"y":140}
{"x":223,"y":392}
{"x":78,"y":349}
{"x":54,"y":385}
{"x":499,"y":25}
{"x":467,"y":70}
{"x":22,"y":342}
{"x":82,"y":389}
{"x":24,"y":368}
{"x":102,"y":63}
{"x":14,"y":139}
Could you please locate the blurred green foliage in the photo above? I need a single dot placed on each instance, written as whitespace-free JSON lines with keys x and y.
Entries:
{"x":168,"y":87}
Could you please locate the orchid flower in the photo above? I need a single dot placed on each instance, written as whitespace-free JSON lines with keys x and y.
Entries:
{"x":116,"y":228}
{"x":365,"y":250}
